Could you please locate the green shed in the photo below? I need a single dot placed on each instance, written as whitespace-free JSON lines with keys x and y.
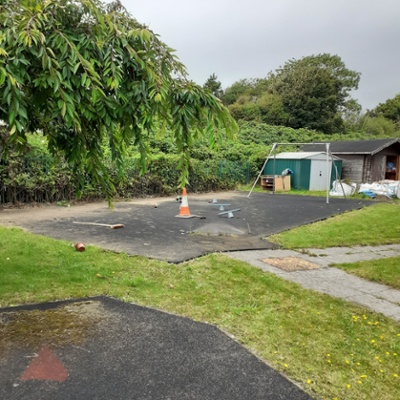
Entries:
{"x":310,"y":169}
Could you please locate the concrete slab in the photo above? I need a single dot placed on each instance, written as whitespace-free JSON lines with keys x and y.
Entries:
{"x":379,"y":305}
{"x":391,"y":295}
{"x":331,"y":255}
{"x":334,"y":281}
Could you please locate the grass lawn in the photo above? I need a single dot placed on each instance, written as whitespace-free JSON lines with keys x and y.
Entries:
{"x":374,"y":225}
{"x":386,"y":271}
{"x":334,"y":349}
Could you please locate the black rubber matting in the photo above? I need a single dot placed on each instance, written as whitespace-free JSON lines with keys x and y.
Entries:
{"x":157,"y":233}
{"x":137,"y":353}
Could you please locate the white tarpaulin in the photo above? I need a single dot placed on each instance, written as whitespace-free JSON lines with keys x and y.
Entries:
{"x":341,"y":189}
{"x":384,"y":188}
{"x":387,"y":188}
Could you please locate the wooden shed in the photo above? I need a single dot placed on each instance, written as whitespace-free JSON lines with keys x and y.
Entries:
{"x":365,"y":161}
{"x":310,"y":169}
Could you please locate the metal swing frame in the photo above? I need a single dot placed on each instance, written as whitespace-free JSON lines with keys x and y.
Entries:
{"x":328,"y":165}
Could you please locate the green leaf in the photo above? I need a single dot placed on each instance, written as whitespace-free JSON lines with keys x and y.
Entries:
{"x":77,"y":65}
{"x":63,"y":108}
{"x":83,"y":78}
{"x":22,"y":112}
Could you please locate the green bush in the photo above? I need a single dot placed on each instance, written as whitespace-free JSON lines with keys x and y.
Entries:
{"x":38,"y":176}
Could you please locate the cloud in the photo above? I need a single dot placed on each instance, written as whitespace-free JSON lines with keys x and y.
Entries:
{"x":247,"y":39}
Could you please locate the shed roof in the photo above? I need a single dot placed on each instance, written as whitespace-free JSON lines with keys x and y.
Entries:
{"x":354,"y":146}
{"x":301,"y":155}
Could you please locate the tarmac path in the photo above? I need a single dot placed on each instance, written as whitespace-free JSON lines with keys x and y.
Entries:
{"x":133,"y":352}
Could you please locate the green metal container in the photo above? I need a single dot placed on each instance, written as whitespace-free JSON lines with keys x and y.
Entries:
{"x":309,"y":169}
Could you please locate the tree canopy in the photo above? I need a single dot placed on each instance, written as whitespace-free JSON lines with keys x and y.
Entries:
{"x":312,"y":92}
{"x":214,"y":85}
{"x":84,"y":72}
{"x":390,"y":109}
{"x":244,"y":87}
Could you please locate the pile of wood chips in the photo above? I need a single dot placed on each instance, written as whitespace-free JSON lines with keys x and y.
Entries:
{"x":290,"y":264}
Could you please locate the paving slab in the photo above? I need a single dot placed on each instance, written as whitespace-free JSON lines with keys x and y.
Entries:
{"x":133,"y":352}
{"x":334,"y":281}
{"x":377,"y":304}
{"x":336,"y":255}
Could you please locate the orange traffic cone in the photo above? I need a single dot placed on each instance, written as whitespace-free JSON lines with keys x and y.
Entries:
{"x":184,"y":208}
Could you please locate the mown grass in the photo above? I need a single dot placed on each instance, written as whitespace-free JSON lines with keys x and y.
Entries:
{"x":259,"y":189}
{"x":374,"y":225}
{"x":386,"y":271}
{"x":300,"y":192}
{"x":332,"y":348}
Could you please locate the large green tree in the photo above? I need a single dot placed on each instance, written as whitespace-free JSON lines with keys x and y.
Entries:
{"x":315,"y":91}
{"x":390,"y":109}
{"x":253,"y":88}
{"x":84,"y":72}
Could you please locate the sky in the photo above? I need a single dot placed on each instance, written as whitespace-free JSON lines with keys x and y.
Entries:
{"x":243,"y":39}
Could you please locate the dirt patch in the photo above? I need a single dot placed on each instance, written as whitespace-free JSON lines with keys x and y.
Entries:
{"x":220,"y":228}
{"x":290,"y":264}
{"x":70,"y":324}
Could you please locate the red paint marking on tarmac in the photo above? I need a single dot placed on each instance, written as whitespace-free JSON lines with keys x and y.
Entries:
{"x":46,"y":366}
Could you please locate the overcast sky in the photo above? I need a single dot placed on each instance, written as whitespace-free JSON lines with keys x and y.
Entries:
{"x":249,"y":38}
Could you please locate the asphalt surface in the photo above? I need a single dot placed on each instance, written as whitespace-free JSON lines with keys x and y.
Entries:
{"x":155,"y":232}
{"x":134,"y":352}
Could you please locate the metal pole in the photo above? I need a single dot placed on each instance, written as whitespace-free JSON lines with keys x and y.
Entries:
{"x":274,"y":173}
{"x":262,"y":169}
{"x":328,"y":173}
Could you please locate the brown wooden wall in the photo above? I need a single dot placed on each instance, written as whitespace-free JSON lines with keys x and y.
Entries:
{"x":352,"y":167}
{"x":378,"y":168}
{"x":361,"y":168}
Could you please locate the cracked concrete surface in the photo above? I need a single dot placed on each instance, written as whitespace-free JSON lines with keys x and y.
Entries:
{"x":333,"y":281}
